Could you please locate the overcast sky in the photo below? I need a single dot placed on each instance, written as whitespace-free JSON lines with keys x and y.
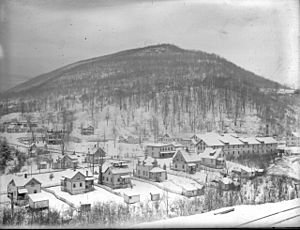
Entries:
{"x":38,"y":36}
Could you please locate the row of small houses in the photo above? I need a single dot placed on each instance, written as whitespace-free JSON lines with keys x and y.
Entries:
{"x":231,"y":145}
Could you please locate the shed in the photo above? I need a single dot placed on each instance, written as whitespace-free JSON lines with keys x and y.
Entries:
{"x":38,"y":201}
{"x":131,"y":197}
{"x":155,"y":196}
{"x":189,"y":190}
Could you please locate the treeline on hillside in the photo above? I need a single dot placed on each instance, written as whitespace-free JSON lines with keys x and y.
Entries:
{"x":10,"y":157}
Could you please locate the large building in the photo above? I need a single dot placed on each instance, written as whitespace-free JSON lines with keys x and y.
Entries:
{"x":162,"y":150}
{"x":149,"y":169}
{"x":234,"y":146}
{"x":293,"y":139}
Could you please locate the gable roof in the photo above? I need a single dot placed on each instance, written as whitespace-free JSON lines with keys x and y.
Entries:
{"x":188,"y":157}
{"x":249,"y":140}
{"x":97,"y":151}
{"x":229,"y":139}
{"x":70,"y":174}
{"x":118,"y":170}
{"x":71,"y":157}
{"x":211,"y":153}
{"x":266,"y":140}
{"x":210,"y":139}
{"x":21,"y":181}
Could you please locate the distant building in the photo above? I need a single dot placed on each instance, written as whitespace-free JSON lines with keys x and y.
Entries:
{"x":202,"y":141}
{"x":131,"y":139}
{"x":117,"y":175}
{"x":74,"y":182}
{"x":89,"y":130}
{"x":95,"y":154}
{"x":55,"y":137}
{"x":267,"y":144}
{"x":42,"y":165}
{"x":160,"y":150}
{"x":19,"y":187}
{"x":186,"y":161}
{"x":293,"y":139}
{"x":213,"y":158}
{"x":189,"y":190}
{"x":69,"y":161}
{"x":149,"y":169}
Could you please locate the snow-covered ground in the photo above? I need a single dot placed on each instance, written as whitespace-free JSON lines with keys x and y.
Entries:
{"x":144,"y":189}
{"x":98,"y":195}
{"x":288,"y":166}
{"x":241,"y":215}
{"x":55,"y":203}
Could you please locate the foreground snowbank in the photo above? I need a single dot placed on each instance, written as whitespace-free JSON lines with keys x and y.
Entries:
{"x":239,"y":216}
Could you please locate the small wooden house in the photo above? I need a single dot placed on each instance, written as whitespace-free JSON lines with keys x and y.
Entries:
{"x":75,"y":182}
{"x":189,"y":190}
{"x":95,"y":155}
{"x":149,"y":169}
{"x":38,"y":201}
{"x":69,"y":161}
{"x":117,"y":175}
{"x":185,"y":161}
{"x":155,"y":196}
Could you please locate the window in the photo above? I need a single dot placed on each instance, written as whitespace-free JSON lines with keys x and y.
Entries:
{"x":80,"y":185}
{"x":183,"y":166}
{"x":111,"y":179}
{"x":118,"y":179}
{"x":34,"y":191}
{"x":32,"y":184}
{"x":106,"y":178}
{"x":74,"y":185}
{"x":176,"y":166}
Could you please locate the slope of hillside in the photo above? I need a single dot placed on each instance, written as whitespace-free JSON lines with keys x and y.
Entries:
{"x":176,"y":90}
{"x":271,"y":214}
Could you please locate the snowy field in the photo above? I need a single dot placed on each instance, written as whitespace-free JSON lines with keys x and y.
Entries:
{"x":144,"y":189}
{"x":98,"y":195}
{"x":239,"y":216}
{"x":55,"y":203}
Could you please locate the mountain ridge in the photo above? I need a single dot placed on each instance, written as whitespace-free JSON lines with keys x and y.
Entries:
{"x":165,"y":48}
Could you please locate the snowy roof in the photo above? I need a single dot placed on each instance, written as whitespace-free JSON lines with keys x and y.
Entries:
{"x":22,"y":190}
{"x":226,"y":180}
{"x":119,"y":170}
{"x":189,"y":187}
{"x":229,"y":139}
{"x":188,"y":157}
{"x":249,"y":140}
{"x":71,"y":173}
{"x":36,"y":197}
{"x":156,"y":170}
{"x":43,"y":163}
{"x":158,"y":144}
{"x":98,"y":152}
{"x":267,"y":140}
{"x":296,"y":134}
{"x":72,"y":157}
{"x":176,"y":145}
{"x":211,"y":153}
{"x":131,"y":193}
{"x":211,"y":139}
{"x":22,"y":181}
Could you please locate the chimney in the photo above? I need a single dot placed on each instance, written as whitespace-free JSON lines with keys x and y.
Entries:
{"x":25,"y":175}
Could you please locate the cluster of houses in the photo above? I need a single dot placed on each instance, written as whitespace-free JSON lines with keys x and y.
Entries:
{"x":231,"y":145}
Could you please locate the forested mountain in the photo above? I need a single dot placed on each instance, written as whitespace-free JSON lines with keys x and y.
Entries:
{"x":158,"y":88}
